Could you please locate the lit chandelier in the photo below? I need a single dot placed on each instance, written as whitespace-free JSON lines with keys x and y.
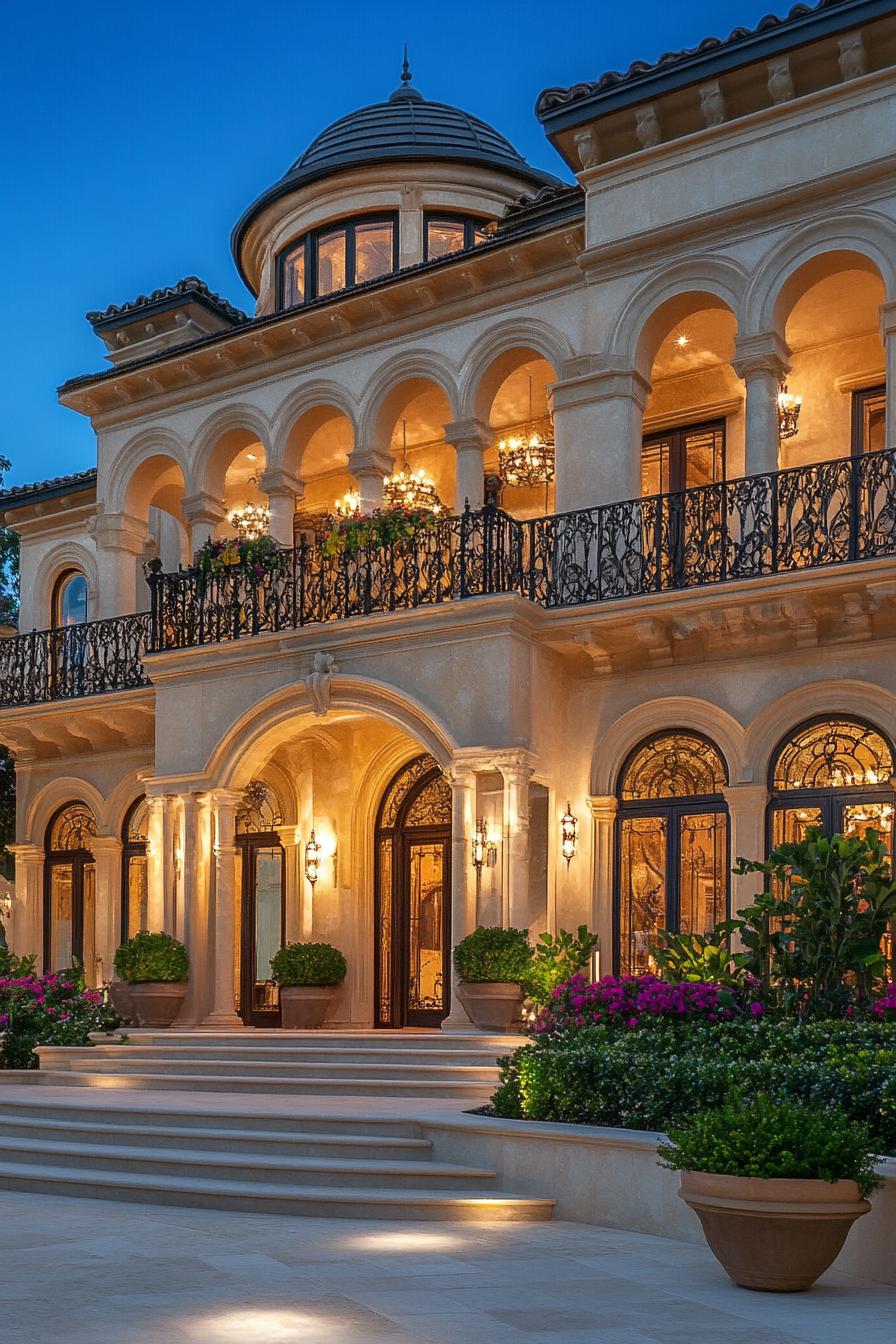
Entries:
{"x":348,"y":505}
{"x":412,"y":490}
{"x":527,"y":456}
{"x":251,"y":521}
{"x":789,"y":408}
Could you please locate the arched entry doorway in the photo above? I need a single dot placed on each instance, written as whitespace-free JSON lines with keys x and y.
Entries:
{"x":262,"y":915}
{"x":413,"y":903}
{"x":70,"y":892}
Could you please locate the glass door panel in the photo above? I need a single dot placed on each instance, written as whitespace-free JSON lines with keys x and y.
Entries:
{"x":268,"y":924}
{"x":857,"y":817}
{"x":642,"y":907}
{"x":137,"y":913}
{"x":94,"y":970}
{"x":703,"y":866}
{"x":426,"y":961}
{"x":655,"y":462}
{"x":790,"y":824}
{"x":703,"y":452}
{"x":61,"y":916}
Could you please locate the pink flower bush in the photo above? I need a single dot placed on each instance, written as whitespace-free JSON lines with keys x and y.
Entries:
{"x":47,"y":1010}
{"x":630,"y":1001}
{"x":885,"y":1006}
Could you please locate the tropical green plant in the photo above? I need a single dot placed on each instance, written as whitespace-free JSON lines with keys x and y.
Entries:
{"x":813,"y":937}
{"x":696,"y":957}
{"x":494,"y":956}
{"x":383,"y":527}
{"x":12,"y":965}
{"x":772,"y":1140}
{"x":152,"y":957}
{"x":308,"y":964}
{"x":555,"y":959}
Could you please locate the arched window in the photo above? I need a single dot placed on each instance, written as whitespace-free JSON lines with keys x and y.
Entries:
{"x":70,"y":892}
{"x":69,"y":606}
{"x":262,"y":902}
{"x":673,"y":862}
{"x":134,"y":888}
{"x":834,"y":773}
{"x":338,"y":256}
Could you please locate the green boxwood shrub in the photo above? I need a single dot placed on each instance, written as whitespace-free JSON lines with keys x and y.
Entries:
{"x":151,"y":957}
{"x":308,"y":964}
{"x":494,"y":956}
{"x":658,"y":1076}
{"x":773,"y":1140}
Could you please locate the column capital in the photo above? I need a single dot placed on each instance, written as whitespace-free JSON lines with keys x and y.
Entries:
{"x":27,"y":853}
{"x":104,"y":845}
{"x":762,"y":352}
{"x":603,"y":806}
{"x":887,"y":317}
{"x":370,"y":460}
{"x":481,"y":759}
{"x":203,"y":508}
{"x":746,"y":795}
{"x":290,"y":836}
{"x":226,"y":797}
{"x":119,"y":532}
{"x":470,"y":433}
{"x":591,"y":378}
{"x":281,"y":481}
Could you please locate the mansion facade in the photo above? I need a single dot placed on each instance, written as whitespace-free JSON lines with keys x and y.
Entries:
{"x":650,"y":624}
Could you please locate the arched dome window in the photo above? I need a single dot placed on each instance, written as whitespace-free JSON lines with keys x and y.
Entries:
{"x":69,"y":604}
{"x":672,"y":846}
{"x":338,"y":256}
{"x":832,"y":773}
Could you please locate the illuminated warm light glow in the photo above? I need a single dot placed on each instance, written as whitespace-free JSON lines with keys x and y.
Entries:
{"x":526,"y":457}
{"x":485,"y":850}
{"x":789,"y":408}
{"x":416,"y":1242}
{"x":251,"y":521}
{"x":569,"y":835}
{"x":348,"y":505}
{"x":264,"y":1326}
{"x":681,"y":341}
{"x":412,"y":490}
{"x":312,"y":859}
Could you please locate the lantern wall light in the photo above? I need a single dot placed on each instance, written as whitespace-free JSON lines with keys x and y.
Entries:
{"x":312,"y":859}
{"x":569,"y":835}
{"x":485,"y":851}
{"x":789,"y":408}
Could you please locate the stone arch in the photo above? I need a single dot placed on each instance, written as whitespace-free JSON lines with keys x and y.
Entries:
{"x":516,"y":334}
{"x":867,"y":238}
{"x":685,"y":712}
{"x":57,"y":794}
{"x":664,"y":299}
{"x":379,"y":395}
{"x":849,"y":699}
{"x":217,"y":441}
{"x":322,"y":394}
{"x":67,"y":555}
{"x":131,"y":476}
{"x":248,"y":742}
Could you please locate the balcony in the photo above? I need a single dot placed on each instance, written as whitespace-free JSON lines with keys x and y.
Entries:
{"x":805,"y":518}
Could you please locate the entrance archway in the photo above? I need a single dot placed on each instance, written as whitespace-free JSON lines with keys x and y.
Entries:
{"x":70,"y":892}
{"x":412,"y":931}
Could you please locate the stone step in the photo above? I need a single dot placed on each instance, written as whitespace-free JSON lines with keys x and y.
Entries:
{"x":211,"y":1138}
{"x":259,"y":1039}
{"x":89,"y":1182}
{"x":294,"y":1054}
{"x":356,"y":1173}
{"x":116,"y":1062}
{"x":469,"y":1093}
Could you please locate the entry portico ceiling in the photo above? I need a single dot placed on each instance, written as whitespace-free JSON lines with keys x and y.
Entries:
{"x":717,"y":81}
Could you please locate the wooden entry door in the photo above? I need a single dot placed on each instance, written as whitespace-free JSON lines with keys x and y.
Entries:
{"x":412,"y":948}
{"x":263,"y":919}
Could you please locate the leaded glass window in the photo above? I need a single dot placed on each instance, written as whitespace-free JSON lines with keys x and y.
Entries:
{"x":70,"y":894}
{"x":73,"y":828}
{"x":259,"y":811}
{"x":135,"y":870}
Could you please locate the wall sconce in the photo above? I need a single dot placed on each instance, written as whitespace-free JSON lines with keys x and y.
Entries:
{"x":312,"y":859}
{"x":485,"y":851}
{"x":789,"y":408}
{"x":569,"y":835}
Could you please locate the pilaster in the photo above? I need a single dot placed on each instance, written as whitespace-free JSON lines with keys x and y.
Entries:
{"x":106,"y":850}
{"x":598,"y":414}
{"x":463,"y":891}
{"x":604,"y":809}
{"x":223,"y":1014}
{"x":25,"y":932}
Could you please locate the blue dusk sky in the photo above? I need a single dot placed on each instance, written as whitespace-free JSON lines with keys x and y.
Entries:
{"x":135,"y":133}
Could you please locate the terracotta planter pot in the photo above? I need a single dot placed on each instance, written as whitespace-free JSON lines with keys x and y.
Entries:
{"x":157,"y":1002}
{"x":491,"y":1007}
{"x":122,"y":1000}
{"x":306,"y":1006}
{"x":777,"y":1236}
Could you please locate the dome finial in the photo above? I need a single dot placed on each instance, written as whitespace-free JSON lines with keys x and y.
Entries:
{"x":406,"y":75}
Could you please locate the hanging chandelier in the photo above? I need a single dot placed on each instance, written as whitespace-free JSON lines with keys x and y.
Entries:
{"x":251,"y":521}
{"x":526,"y":457}
{"x":411,"y":490}
{"x":789,"y":408}
{"x":348,"y":505}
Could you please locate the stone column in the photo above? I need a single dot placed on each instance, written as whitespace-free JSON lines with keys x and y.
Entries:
{"x":299,"y":915}
{"x":463,"y":889}
{"x":471,"y":440}
{"x":283,"y":489}
{"x":604,"y":808}
{"x":204,"y":514}
{"x":761,"y":361}
{"x":120,"y":542}
{"x":155,"y":863}
{"x":598,"y":414}
{"x":223,"y":1012}
{"x":369,"y":466}
{"x":194,"y":920}
{"x":25,"y":932}
{"x":516,"y":775}
{"x":106,"y":850}
{"x":746,"y":819}
{"x":888,"y":336}
{"x":173,"y":918}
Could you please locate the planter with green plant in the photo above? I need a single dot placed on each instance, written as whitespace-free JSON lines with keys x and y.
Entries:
{"x":776,"y":1186}
{"x":153,"y":967}
{"x":309,"y":975}
{"x":493,"y":966}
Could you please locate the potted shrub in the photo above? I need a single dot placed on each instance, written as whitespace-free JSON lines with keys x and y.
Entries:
{"x":776,"y":1186}
{"x":493,"y":965}
{"x":154,"y":966}
{"x":308,"y":975}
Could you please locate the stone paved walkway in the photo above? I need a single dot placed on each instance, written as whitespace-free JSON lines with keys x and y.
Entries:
{"x":86,"y":1272}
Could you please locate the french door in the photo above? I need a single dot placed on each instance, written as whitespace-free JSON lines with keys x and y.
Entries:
{"x":262,"y":924}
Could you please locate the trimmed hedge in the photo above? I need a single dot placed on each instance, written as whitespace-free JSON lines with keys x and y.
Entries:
{"x":152,"y":958}
{"x":308,"y":964}
{"x":658,"y":1076}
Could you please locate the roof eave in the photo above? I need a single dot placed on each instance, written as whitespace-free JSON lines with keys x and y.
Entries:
{"x":42,"y":493}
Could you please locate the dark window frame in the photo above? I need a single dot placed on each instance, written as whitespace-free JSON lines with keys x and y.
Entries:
{"x":857,"y":418}
{"x":310,"y":243}
{"x":130,"y":849}
{"x":676,"y":435}
{"x":471,"y":224}
{"x":61,"y":583}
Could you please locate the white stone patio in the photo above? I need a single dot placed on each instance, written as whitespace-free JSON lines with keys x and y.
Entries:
{"x":87,"y":1272}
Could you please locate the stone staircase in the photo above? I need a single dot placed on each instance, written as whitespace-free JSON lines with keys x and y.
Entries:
{"x":300,"y":1133}
{"x":416,"y":1065}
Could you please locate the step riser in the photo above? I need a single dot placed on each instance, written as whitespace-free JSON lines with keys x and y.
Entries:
{"x":286,"y":1125}
{"x":267,"y":1202}
{"x":183,"y":1168}
{"x":481,"y":1059}
{"x":245,"y":1144}
{"x":337,"y":1072}
{"x":472,"y":1093}
{"x":330,"y":1040}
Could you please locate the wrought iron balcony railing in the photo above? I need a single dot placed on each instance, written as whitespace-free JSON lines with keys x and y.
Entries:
{"x":778,"y":523}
